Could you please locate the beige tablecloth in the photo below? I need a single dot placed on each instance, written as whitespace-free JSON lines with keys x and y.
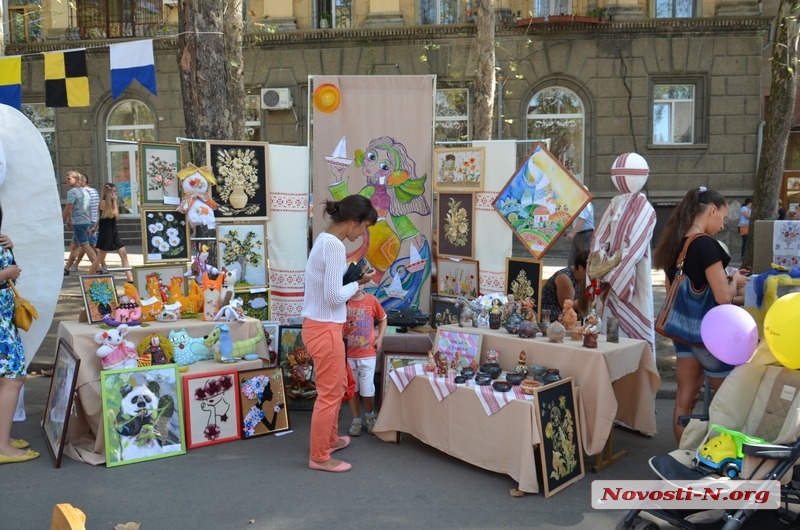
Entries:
{"x":85,"y":441}
{"x":503,"y":442}
{"x":615,"y":382}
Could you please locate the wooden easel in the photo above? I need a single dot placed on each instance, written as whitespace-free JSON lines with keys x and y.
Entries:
{"x":606,"y":457}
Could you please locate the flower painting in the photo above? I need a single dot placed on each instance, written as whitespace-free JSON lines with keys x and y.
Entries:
{"x":457,"y":278}
{"x":99,"y":296}
{"x":158,"y":170}
{"x":456,"y":217}
{"x":243,"y":248}
{"x":459,"y":169}
{"x":263,"y":402}
{"x":240,"y":169}
{"x":212,"y":406}
{"x":165,"y":236}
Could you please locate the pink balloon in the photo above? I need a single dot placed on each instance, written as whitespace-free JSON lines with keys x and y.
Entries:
{"x":730,"y":333}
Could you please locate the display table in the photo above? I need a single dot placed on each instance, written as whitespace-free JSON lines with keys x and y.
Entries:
{"x":458,"y":425}
{"x":615,"y":381}
{"x":85,"y":441}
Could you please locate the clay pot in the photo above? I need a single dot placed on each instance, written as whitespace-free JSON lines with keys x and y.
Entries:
{"x":556,"y":332}
{"x":515,"y":378}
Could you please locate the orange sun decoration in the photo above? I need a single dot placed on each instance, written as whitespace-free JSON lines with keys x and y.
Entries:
{"x":327,"y":98}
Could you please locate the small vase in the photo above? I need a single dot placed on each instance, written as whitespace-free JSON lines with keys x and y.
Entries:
{"x":495,"y":320}
{"x":238,"y":197}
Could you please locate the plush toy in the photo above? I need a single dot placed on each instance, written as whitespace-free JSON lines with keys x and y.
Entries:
{"x":153,"y":304}
{"x":197,"y":203}
{"x":188,"y":349}
{"x":229,"y":279}
{"x":170,"y":313}
{"x":232,"y":311}
{"x":155,"y":350}
{"x":128,"y":312}
{"x":212,"y":290}
{"x":200,"y":266}
{"x":226,"y":349}
{"x":115,"y":351}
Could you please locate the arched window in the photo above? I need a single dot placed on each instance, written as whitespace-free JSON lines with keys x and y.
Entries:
{"x":129,"y":122}
{"x":556,"y":116}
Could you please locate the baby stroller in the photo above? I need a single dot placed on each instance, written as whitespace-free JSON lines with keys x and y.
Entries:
{"x":760,"y":399}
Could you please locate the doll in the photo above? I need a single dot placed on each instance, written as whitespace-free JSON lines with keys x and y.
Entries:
{"x":197,"y":203}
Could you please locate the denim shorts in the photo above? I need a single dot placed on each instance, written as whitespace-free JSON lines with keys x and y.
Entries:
{"x":93,"y":239}
{"x":712,"y":366}
{"x":80,"y":234}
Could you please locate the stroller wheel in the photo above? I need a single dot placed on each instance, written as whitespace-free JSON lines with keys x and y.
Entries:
{"x":637,"y":524}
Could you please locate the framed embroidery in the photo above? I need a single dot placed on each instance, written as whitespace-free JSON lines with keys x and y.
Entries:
{"x":158,"y":173}
{"x":241,"y":170}
{"x":212,"y":408}
{"x":455,"y":235}
{"x":242,"y":247}
{"x":458,"y":169}
{"x":99,"y":296}
{"x":263,"y":402}
{"x":165,"y":236}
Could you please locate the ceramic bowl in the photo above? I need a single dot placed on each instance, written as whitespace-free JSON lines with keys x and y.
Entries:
{"x":483,"y":379}
{"x":501,"y":385}
{"x":515,"y":378}
{"x":492,"y":369}
{"x":529,"y":386}
{"x":468,"y":373}
{"x":460,"y":379}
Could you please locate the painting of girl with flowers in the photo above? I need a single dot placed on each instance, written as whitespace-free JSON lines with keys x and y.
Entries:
{"x":165,"y":236}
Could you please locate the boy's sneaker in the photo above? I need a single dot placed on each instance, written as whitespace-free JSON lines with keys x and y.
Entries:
{"x":371,"y":423}
{"x":355,"y":429}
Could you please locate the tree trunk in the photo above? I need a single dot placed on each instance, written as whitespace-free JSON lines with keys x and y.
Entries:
{"x":210,"y":65}
{"x":485,"y":75}
{"x":778,"y":120}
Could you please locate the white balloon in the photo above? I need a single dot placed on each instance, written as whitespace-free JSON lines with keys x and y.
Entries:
{"x":32,"y":219}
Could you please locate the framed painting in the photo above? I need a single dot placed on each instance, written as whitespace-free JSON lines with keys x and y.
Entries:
{"x":462,"y":348}
{"x":458,"y":169}
{"x":164,"y":274}
{"x":272,"y":335}
{"x":457,"y":278}
{"x":263,"y":402}
{"x":158,"y":173}
{"x":540,"y":200}
{"x":241,"y":172}
{"x":165,"y":236}
{"x":204,"y":249}
{"x":524,"y":280}
{"x":444,"y":311}
{"x":560,"y":431}
{"x":455,"y":235}
{"x":298,"y":369}
{"x":142,"y":414}
{"x":256,"y":303}
{"x":242,"y":247}
{"x":99,"y":296}
{"x":394,"y":360}
{"x":58,"y":408}
{"x":211,"y":402}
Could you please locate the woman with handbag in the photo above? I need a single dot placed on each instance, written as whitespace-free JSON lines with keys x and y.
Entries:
{"x":327,"y":290}
{"x":687,"y":235}
{"x":12,"y":359}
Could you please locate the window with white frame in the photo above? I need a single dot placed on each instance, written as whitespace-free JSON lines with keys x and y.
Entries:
{"x":674,"y":8}
{"x":547,"y":8}
{"x":452,"y":115}
{"x":129,"y":122}
{"x":673,"y":114}
{"x":441,"y":11}
{"x":252,"y":117}
{"x":556,"y":114}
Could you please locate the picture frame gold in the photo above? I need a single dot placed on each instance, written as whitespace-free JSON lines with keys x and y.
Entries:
{"x":263,"y":402}
{"x":458,"y":278}
{"x":395,"y":360}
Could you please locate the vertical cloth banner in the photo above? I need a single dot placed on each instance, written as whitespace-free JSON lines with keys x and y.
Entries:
{"x":373,"y":136}
{"x":493,"y":237}
{"x":66,"y":81}
{"x":288,"y":229}
{"x":11,"y":81}
{"x":132,"y":61}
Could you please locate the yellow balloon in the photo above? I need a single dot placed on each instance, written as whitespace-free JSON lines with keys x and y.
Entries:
{"x":782,"y":330}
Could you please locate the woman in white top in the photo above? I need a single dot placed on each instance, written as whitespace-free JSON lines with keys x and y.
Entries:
{"x":324,"y":313}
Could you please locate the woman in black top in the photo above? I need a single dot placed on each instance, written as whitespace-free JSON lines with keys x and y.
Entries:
{"x":564,"y":284}
{"x":702,"y":211}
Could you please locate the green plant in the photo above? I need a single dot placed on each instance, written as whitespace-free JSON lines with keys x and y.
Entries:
{"x":599,"y":12}
{"x":328,"y":17}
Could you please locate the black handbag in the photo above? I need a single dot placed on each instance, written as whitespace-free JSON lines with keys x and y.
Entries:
{"x":354,"y":272}
{"x":684,"y":308}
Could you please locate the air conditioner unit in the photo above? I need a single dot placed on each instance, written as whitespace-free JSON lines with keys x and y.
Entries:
{"x":276,"y":98}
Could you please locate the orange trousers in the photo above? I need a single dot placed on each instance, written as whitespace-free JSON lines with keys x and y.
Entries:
{"x":326,"y":347}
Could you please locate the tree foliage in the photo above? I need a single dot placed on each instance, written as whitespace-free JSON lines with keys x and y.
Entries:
{"x":778,"y":119}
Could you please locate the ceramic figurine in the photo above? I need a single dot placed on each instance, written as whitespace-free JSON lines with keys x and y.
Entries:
{"x":483,"y":319}
{"x":591,"y":329}
{"x":441,"y":364}
{"x":556,"y":332}
{"x":512,"y":323}
{"x":569,"y":317}
{"x":430,"y":366}
{"x":492,"y":357}
{"x":521,"y":367}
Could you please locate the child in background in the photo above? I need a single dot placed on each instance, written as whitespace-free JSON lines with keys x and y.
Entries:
{"x":363,"y":310}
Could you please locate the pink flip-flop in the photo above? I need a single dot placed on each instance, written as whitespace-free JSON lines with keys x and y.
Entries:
{"x":343,"y":442}
{"x":341,"y":468}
